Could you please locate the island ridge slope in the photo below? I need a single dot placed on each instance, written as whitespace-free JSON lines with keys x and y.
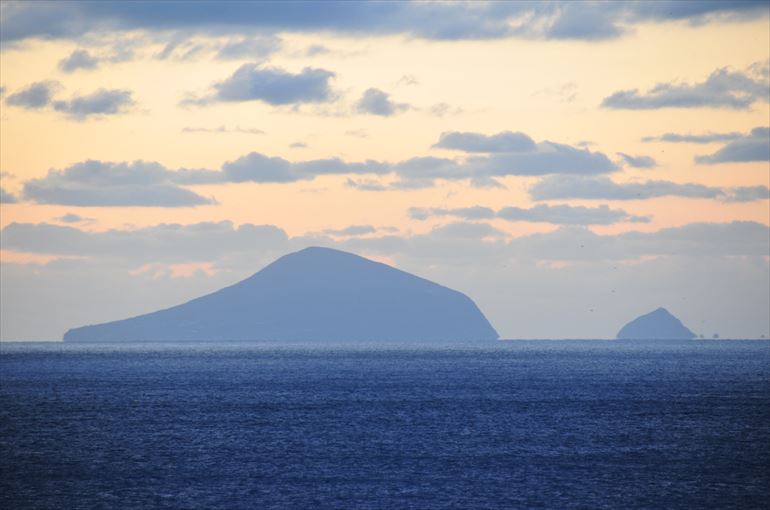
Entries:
{"x":316,"y":294}
{"x":659,"y":324}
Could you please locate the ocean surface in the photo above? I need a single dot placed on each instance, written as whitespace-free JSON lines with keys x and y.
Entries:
{"x":519,"y":424}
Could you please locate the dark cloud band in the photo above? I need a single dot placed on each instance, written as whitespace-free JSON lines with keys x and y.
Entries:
{"x":449,"y":21}
{"x":554,"y":214}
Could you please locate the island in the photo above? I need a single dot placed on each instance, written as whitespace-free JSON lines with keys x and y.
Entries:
{"x":659,"y":324}
{"x":316,"y":294}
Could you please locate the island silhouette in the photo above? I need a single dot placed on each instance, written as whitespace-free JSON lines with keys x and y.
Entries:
{"x":659,"y":324}
{"x":316,"y":294}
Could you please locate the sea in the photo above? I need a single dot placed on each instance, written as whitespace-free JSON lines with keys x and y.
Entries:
{"x":504,"y":425}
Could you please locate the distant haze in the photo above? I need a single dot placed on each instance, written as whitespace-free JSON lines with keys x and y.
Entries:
{"x":316,"y":295}
{"x":569,"y":165}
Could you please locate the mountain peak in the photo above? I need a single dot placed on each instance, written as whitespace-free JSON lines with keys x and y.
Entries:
{"x":659,"y":324}
{"x":315,"y":294}
{"x":319,"y":250}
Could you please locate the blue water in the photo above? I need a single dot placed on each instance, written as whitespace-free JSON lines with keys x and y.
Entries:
{"x":512,"y":425}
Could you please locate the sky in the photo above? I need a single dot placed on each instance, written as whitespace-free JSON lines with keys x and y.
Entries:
{"x":568,"y":165}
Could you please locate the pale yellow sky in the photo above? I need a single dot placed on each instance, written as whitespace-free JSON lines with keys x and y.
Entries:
{"x":491,"y":77}
{"x":550,"y":90}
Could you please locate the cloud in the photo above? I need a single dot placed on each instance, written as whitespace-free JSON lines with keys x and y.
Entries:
{"x":316,"y":49}
{"x":429,"y":20}
{"x":351,"y":231}
{"x":336,"y":166}
{"x":6,"y":197}
{"x":73,"y":218}
{"x":101,"y":184}
{"x":35,"y":96}
{"x":511,"y":154}
{"x":98,"y":104}
{"x":427,"y":168}
{"x":186,"y":46}
{"x":521,"y":283}
{"x":724,"y":88}
{"x":255,"y":167}
{"x":543,"y":158}
{"x":466,"y":213}
{"x":377,"y":102}
{"x":149,"y":184}
{"x":748,"y":194}
{"x":548,"y":158}
{"x":119,"y":50}
{"x":564,"y":187}
{"x":272,"y":85}
{"x":214,"y":240}
{"x":178,"y":47}
{"x":78,"y":59}
{"x":411,"y":184}
{"x":505,"y":141}
{"x":752,"y":147}
{"x":570,"y":215}
{"x":583,"y":21}
{"x":638,"y":161}
{"x":252,"y":48}
{"x":481,"y":171}
{"x":602,"y":188}
{"x":159,"y":243}
{"x":166,"y":188}
{"x":690,"y":138}
{"x":556,"y":214}
{"x":443,"y":109}
{"x":366,"y":185}
{"x":466,"y":230}
{"x":704,"y":239}
{"x":692,"y":240}
{"x":483,"y":182}
{"x":699,"y":12}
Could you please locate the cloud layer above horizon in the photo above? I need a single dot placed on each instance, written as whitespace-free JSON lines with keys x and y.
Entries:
{"x":589,"y":159}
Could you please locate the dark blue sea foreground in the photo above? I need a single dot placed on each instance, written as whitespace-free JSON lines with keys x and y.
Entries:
{"x":515,"y":425}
